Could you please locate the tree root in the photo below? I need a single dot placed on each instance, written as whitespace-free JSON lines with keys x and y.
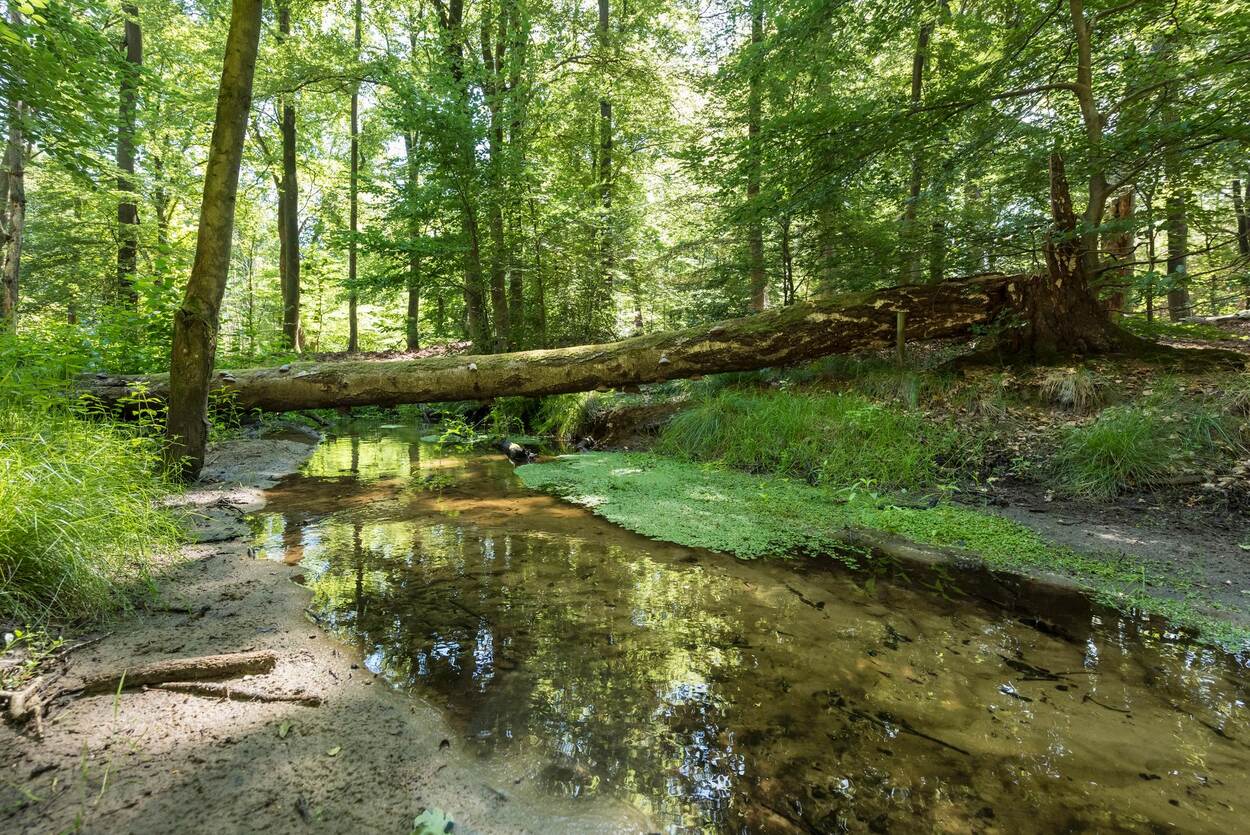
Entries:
{"x":221,"y":690}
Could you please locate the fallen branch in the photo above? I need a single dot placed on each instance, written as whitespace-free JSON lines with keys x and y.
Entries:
{"x":183,"y":669}
{"x":238,"y":694}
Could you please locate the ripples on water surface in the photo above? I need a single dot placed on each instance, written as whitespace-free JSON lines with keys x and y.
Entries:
{"x":719,"y":695}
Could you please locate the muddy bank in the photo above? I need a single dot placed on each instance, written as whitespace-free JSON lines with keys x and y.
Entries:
{"x":367,"y":759}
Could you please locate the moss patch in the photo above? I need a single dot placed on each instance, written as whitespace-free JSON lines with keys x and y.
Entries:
{"x":752,"y":516}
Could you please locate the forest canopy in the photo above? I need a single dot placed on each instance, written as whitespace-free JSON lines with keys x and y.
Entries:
{"x":521,"y":174}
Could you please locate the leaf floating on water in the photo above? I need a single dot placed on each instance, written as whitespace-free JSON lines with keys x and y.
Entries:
{"x":432,"y":822}
{"x":334,"y":752}
{"x":283,"y":730}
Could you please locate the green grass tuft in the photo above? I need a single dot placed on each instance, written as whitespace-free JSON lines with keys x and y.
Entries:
{"x":832,"y":439}
{"x":78,"y":517}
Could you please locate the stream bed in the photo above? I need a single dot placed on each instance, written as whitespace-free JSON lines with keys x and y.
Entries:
{"x":716,"y":695}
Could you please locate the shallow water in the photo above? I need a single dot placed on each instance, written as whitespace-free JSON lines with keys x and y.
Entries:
{"x":719,"y":695}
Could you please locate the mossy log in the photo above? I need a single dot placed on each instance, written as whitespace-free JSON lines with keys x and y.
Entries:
{"x":777,"y":337}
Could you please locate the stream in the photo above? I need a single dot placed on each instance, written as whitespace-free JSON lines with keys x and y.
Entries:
{"x":716,"y":695}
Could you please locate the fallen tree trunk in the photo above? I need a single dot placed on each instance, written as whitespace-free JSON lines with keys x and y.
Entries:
{"x":777,"y":337}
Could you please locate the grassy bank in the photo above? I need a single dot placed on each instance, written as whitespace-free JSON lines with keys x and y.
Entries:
{"x":79,"y":522}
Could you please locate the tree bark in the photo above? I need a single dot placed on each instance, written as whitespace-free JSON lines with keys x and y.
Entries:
{"x":14,"y":225}
{"x":353,"y":336}
{"x":607,"y":244}
{"x":911,"y":246}
{"x":1119,"y":248}
{"x":288,"y":209}
{"x":127,"y":206}
{"x":779,"y":336}
{"x":1059,"y":314}
{"x":1243,"y":239}
{"x":755,"y":227}
{"x":196,"y":322}
{"x":494,"y":50}
{"x":412,"y":321}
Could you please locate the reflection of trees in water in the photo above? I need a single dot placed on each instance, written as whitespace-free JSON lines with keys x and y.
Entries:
{"x":603,"y":659}
{"x":656,"y":678}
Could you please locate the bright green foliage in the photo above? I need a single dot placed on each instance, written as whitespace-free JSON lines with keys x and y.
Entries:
{"x":834,"y":439}
{"x":78,"y":517}
{"x":79,"y":522}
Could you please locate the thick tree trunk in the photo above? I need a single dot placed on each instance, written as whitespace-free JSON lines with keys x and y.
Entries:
{"x":127,"y":206}
{"x":607,"y":249}
{"x":1243,"y":239}
{"x":1177,"y":228}
{"x":1059,"y":313}
{"x":288,"y":209}
{"x":353,"y":336}
{"x":755,"y":227}
{"x":196,"y":322}
{"x":777,"y":337}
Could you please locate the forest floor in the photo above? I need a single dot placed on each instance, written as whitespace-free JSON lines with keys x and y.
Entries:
{"x":368,"y":759}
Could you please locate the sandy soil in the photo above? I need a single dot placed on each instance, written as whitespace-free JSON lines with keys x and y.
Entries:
{"x":369,"y":759}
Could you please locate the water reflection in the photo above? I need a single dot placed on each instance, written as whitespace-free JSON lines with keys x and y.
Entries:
{"x":727,"y":696}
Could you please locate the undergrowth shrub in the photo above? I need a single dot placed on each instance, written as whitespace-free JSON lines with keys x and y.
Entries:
{"x":821,"y":438}
{"x":1077,"y":389}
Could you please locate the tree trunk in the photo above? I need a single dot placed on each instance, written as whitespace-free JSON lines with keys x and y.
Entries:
{"x":777,"y":337}
{"x":1059,"y":314}
{"x":1177,"y":228}
{"x":288,"y":209}
{"x":912,"y":273}
{"x":1243,"y":239}
{"x":755,"y":227}
{"x":412,"y":322}
{"x":353,"y":336}
{"x":196,"y":322}
{"x":14,"y":225}
{"x":607,"y":249}
{"x":1118,"y":277}
{"x":127,"y":207}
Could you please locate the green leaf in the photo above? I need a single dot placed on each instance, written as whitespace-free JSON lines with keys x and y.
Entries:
{"x":283,"y":730}
{"x":432,"y":822}
{"x":334,"y":752}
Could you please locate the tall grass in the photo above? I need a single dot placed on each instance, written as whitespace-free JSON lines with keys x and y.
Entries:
{"x":1144,"y":443}
{"x":821,"y":438}
{"x":79,"y":520}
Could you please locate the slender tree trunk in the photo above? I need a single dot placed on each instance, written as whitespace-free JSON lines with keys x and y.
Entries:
{"x":127,"y":206}
{"x":196,"y":322}
{"x":912,"y":272}
{"x":288,"y":208}
{"x":755,"y":227}
{"x":14,"y":218}
{"x":412,"y":322}
{"x":451,"y":22}
{"x":1243,"y":239}
{"x":540,"y":290}
{"x":787,"y":262}
{"x":353,"y":340}
{"x":607,"y":243}
{"x":494,"y":49}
